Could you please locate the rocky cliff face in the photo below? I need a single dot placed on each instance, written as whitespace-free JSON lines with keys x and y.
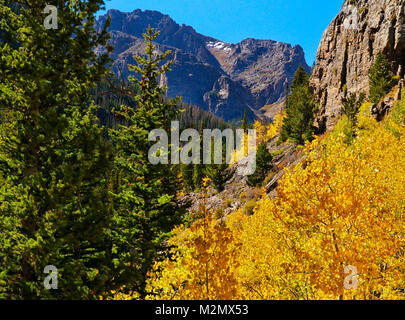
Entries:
{"x":348,"y":48}
{"x":216,"y":76}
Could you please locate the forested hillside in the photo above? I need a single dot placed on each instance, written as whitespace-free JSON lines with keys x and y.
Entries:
{"x":110,"y":93}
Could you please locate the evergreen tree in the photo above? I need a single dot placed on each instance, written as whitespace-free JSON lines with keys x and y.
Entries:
{"x":301,"y":77}
{"x":286,"y":94}
{"x":298,"y":123}
{"x":380,"y":78}
{"x":187,"y":171}
{"x":145,"y":203}
{"x":198,"y":168}
{"x":197,"y":176}
{"x":263,"y":165}
{"x":351,"y":107}
{"x":219,"y":174}
{"x":244,"y":121}
{"x":54,"y":164}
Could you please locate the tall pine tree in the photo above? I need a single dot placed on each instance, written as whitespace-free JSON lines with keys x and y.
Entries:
{"x":244,"y":121}
{"x":145,"y":203}
{"x":263,"y":165}
{"x":54,"y":207}
{"x":198,"y":169}
{"x":298,"y":123}
{"x":380,"y":78}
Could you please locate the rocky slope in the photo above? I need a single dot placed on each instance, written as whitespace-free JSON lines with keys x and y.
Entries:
{"x":216,"y":76}
{"x":349,"y":46}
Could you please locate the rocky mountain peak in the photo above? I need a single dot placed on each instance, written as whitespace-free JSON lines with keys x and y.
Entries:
{"x":216,"y":76}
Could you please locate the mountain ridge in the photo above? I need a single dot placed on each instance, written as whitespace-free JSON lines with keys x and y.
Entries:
{"x":217,"y":76}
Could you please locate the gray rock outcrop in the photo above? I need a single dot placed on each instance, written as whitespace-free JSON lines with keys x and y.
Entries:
{"x":362,"y":29}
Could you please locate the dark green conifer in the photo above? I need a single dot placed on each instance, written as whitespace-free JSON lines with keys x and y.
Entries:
{"x":244,"y":121}
{"x":54,"y":164}
{"x":145,"y":206}
{"x":380,"y":78}
{"x":263,"y":165}
{"x":298,"y":123}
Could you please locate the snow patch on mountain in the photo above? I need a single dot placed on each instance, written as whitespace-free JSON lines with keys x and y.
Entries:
{"x":219,"y":45}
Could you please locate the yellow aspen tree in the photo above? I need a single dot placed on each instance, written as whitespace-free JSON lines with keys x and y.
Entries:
{"x":202,"y":266}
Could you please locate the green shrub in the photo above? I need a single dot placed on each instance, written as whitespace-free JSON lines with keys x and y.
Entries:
{"x":248,"y":209}
{"x":398,"y":112}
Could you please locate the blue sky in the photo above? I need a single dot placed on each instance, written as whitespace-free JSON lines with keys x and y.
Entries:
{"x":292,"y":21}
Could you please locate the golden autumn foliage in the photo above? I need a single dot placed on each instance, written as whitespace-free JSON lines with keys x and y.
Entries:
{"x":203,"y":260}
{"x":266,"y":132}
{"x":345,"y":207}
{"x":240,"y":153}
{"x":342,"y":207}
